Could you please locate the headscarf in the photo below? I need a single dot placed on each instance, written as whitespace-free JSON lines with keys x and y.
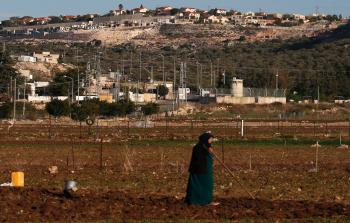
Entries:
{"x":204,"y":139}
{"x":200,"y":153}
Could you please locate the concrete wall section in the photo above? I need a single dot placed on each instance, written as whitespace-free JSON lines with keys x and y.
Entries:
{"x":149,"y":97}
{"x":235,"y":100}
{"x":270,"y":100}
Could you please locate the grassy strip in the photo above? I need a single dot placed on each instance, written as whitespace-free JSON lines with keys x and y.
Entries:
{"x":290,"y":142}
{"x":243,"y":142}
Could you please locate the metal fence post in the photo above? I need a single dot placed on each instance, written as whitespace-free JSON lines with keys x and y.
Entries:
{"x":128,"y":128}
{"x":166,"y":127}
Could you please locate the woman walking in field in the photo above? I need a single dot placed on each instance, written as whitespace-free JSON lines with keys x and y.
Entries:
{"x":201,"y":182}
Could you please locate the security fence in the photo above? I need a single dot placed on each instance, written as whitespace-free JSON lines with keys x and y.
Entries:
{"x":173,"y":129}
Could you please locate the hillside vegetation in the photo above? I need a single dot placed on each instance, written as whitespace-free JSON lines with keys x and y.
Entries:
{"x":303,"y":64}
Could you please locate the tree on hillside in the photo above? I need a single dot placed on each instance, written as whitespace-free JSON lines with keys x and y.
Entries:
{"x":7,"y":72}
{"x":150,"y":109}
{"x":55,"y":19}
{"x":174,"y":11}
{"x":121,"y":108}
{"x":91,"y":108}
{"x":162,"y":90}
{"x":62,"y":83}
{"x":79,"y":113}
{"x":84,"y":111}
{"x":225,"y":80}
{"x":6,"y":110}
{"x":58,"y":108}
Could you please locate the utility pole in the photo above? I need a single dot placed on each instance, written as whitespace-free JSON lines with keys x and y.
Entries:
{"x":152,"y":76}
{"x":317,"y":10}
{"x":118,"y":85}
{"x":139,"y":80}
{"x":14,"y":102}
{"x":276,"y":83}
{"x":277,"y":74}
{"x":197,"y":63}
{"x":217,"y":73}
{"x":11,"y":96}
{"x":24,"y":97}
{"x":224,"y":74}
{"x":163,"y":68}
{"x":72,"y":88}
{"x":130,"y":63}
{"x":185,"y":79}
{"x":88,"y":77}
{"x":78,"y":76}
{"x":3,"y":48}
{"x":211,"y":74}
{"x":123,"y":66}
{"x":181,"y":79}
{"x":318,"y":97}
{"x":201,"y":77}
{"x":98,"y":73}
{"x":174,"y":85}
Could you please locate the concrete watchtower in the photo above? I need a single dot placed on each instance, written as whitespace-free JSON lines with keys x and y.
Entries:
{"x":237,"y":87}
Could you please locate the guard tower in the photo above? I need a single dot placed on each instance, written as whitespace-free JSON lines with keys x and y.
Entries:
{"x":237,"y":87}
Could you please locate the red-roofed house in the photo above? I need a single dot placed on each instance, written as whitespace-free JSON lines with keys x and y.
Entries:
{"x":42,"y":20}
{"x":140,"y":10}
{"x":69,"y":17}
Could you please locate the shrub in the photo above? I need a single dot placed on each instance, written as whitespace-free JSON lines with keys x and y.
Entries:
{"x":150,"y":109}
{"x":58,"y":108}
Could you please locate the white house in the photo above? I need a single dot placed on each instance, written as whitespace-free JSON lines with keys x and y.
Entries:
{"x":24,"y":58}
{"x":238,"y":19}
{"x":249,"y":14}
{"x":183,"y":93}
{"x":190,"y":15}
{"x":141,"y":10}
{"x":221,"y":11}
{"x":188,"y":10}
{"x":138,"y":98}
{"x":255,"y":20}
{"x":299,"y":17}
{"x":212,"y":19}
{"x":118,"y":12}
{"x":46,"y":57}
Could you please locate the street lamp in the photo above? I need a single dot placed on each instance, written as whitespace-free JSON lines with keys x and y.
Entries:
{"x":163,"y":58}
{"x":24,"y":97}
{"x":72,"y":100}
{"x":224,"y":74}
{"x":14,"y":101}
{"x":276,"y":84}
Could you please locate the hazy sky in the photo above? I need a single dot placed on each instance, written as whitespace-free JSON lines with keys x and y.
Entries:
{"x":56,"y":7}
